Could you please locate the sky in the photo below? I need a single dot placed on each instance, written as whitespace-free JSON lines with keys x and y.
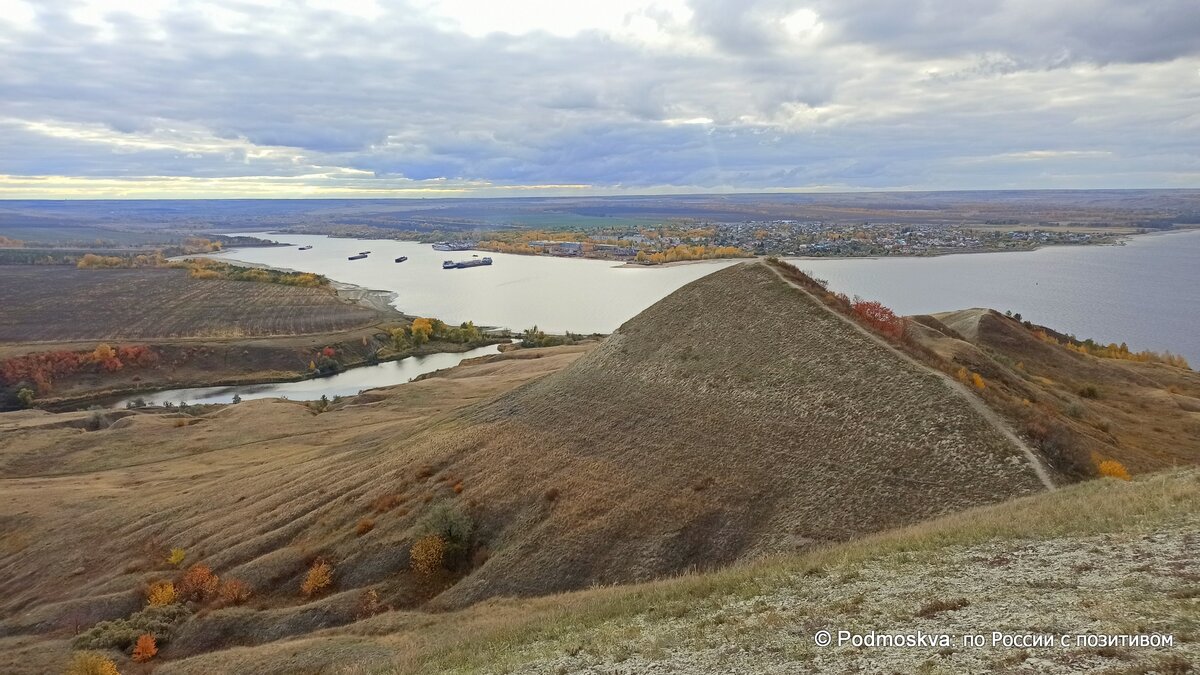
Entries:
{"x":427,"y":98}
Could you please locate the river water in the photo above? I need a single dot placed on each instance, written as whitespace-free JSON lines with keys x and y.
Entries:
{"x":1144,"y":293}
{"x":345,"y":383}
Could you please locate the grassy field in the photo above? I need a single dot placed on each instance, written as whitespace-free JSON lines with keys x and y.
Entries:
{"x":59,"y":304}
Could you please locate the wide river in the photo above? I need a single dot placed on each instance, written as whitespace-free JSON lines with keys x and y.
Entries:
{"x":1145,"y":293}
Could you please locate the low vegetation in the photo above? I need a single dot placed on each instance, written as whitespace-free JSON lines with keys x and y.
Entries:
{"x":91,"y":663}
{"x":318,"y":579}
{"x":1109,"y":351}
{"x":123,"y":633}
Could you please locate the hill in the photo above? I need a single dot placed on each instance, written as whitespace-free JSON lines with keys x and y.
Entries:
{"x":1080,"y":410}
{"x":1098,"y":558}
{"x":738,"y":417}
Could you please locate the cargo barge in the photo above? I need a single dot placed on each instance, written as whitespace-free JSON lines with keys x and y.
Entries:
{"x":360,"y":256}
{"x":451,"y":265}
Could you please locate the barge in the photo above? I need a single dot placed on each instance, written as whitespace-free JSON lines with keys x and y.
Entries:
{"x":360,"y":256}
{"x":451,"y":265}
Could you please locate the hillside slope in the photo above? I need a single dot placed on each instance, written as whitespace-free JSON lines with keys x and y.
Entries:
{"x":1144,"y":414}
{"x":1103,"y":557}
{"x":735,"y":418}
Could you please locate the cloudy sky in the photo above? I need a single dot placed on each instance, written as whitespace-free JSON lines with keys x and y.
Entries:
{"x":223,"y":98}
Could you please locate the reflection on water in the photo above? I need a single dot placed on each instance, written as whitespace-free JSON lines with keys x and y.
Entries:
{"x":346,"y":383}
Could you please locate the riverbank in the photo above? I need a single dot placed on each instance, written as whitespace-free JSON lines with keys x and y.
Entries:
{"x":108,"y":397}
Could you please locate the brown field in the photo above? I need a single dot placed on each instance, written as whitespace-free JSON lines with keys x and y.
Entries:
{"x":62,"y":304}
{"x":737,"y":419}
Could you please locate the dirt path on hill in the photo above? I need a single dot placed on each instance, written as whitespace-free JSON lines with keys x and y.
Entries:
{"x":976,"y":403}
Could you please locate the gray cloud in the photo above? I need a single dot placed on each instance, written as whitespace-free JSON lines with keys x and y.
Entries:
{"x":945,"y":95}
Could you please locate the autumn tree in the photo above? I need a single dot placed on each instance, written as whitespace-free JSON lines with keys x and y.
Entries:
{"x":145,"y":649}
{"x":25,"y":397}
{"x":160,"y":594}
{"x":198,"y":583}
{"x":428,"y":554}
{"x":319,"y":578}
{"x":421,"y":330}
{"x":176,"y":556}
{"x":234,"y":592}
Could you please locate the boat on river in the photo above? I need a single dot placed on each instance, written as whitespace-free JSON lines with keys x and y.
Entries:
{"x":360,"y":256}
{"x":454,"y":246}
{"x":463,"y":264}
{"x":402,"y":258}
{"x":305,"y":248}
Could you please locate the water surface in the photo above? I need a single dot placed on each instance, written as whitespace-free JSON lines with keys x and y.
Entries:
{"x":345,"y":383}
{"x":1145,"y":293}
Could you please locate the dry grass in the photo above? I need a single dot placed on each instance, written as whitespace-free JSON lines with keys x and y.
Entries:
{"x":499,"y":635}
{"x":58,"y":304}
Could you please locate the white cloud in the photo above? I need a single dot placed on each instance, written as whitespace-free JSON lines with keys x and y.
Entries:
{"x":359,"y":95}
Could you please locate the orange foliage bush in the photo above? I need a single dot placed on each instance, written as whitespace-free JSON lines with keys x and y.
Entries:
{"x":364,"y":526}
{"x":160,"y":594}
{"x":879,"y":317}
{"x":977,"y":380}
{"x":41,"y":368}
{"x":1111,"y":468}
{"x":319,"y":577}
{"x":145,"y":649}
{"x":234,"y":592}
{"x":198,"y":583}
{"x":428,"y":554}
{"x":92,"y":663}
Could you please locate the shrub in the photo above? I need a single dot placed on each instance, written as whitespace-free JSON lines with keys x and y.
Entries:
{"x":176,"y":557}
{"x":198,"y":583}
{"x":92,"y":663}
{"x":428,"y":555}
{"x":456,"y":529}
{"x":368,"y":604}
{"x":364,"y":526}
{"x":1111,"y":468}
{"x":319,"y":578}
{"x":160,"y":593}
{"x":551,"y":494}
{"x":977,"y":380}
{"x":1089,"y":391}
{"x":234,"y":592}
{"x":145,"y":649}
{"x":879,"y":317}
{"x":122,"y":633}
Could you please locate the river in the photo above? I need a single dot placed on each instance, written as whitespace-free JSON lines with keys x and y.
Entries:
{"x":345,"y":383}
{"x":1143,"y":293}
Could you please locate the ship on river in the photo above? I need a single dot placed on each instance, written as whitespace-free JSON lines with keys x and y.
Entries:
{"x":454,"y":246}
{"x":463,"y":264}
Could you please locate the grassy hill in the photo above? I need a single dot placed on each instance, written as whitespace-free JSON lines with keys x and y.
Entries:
{"x":738,"y":419}
{"x":1103,"y":557}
